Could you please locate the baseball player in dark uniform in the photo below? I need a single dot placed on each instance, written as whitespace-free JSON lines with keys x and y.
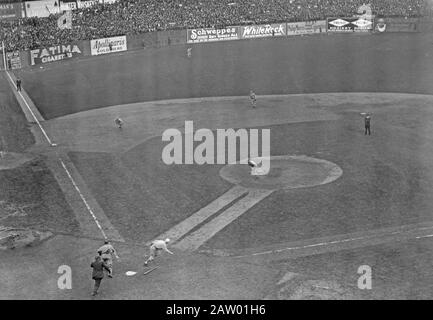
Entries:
{"x":367,"y":122}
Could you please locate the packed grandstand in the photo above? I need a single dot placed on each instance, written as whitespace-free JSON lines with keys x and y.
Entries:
{"x":129,"y":17}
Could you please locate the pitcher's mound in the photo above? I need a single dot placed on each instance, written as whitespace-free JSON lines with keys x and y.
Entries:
{"x":286,"y":172}
{"x":11,"y":160}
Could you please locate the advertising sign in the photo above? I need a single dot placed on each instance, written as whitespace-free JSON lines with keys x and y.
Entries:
{"x":353,"y":24}
{"x":264,"y":30}
{"x":309,"y":27}
{"x":54,"y":53}
{"x":396,"y":25}
{"x":108,"y":45}
{"x":13,"y":60}
{"x":212,"y":34}
{"x":10,"y":11}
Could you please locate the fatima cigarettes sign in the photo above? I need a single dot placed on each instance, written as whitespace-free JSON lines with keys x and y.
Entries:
{"x":54,"y":53}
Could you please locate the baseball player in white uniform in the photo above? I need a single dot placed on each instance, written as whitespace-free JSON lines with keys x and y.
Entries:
{"x":155,"y":247}
{"x":106,"y":252}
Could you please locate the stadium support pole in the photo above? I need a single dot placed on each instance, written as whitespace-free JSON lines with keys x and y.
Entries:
{"x":4,"y":55}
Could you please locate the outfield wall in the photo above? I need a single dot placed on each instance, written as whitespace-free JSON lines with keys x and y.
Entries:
{"x":82,"y":49}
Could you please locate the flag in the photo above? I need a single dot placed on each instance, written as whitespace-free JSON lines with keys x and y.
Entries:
{"x":65,"y":20}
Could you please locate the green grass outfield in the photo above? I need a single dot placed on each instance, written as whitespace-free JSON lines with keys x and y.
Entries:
{"x":324,"y":63}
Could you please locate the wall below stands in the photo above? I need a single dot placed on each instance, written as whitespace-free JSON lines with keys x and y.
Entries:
{"x":143,"y":41}
{"x":179,"y":37}
{"x":157,"y":39}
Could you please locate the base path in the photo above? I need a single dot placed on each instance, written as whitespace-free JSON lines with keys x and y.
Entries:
{"x":197,"y":238}
{"x":179,"y":230}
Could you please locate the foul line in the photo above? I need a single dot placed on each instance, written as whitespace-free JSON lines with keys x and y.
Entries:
{"x":324,"y":244}
{"x":83,"y":198}
{"x":63,"y":165}
{"x":31,"y":111}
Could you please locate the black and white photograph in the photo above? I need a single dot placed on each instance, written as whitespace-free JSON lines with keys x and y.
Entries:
{"x":241,"y":151}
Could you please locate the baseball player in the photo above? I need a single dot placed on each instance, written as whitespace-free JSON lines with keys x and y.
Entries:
{"x":118,"y":122}
{"x":367,"y":120}
{"x":253,"y":98}
{"x":106,"y":252}
{"x":155,"y":247}
{"x":18,"y":84}
{"x":189,"y":52}
{"x":255,"y":169}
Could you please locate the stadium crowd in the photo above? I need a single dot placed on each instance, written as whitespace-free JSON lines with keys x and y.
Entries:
{"x":128,"y":17}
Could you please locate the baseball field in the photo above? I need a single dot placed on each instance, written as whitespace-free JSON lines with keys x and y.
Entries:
{"x":290,"y":231}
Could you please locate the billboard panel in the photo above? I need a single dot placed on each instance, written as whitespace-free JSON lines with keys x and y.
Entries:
{"x":353,"y":24}
{"x":54,"y":53}
{"x":212,"y":34}
{"x":13,"y":60}
{"x":108,"y":45}
{"x":11,"y":11}
{"x":307,"y":27}
{"x":396,"y":25}
{"x":41,"y":8}
{"x":264,"y":30}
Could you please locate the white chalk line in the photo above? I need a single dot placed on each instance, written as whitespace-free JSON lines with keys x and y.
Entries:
{"x":322,"y":244}
{"x":85,"y":202}
{"x":427,"y":236}
{"x":31,"y":111}
{"x":63,"y":165}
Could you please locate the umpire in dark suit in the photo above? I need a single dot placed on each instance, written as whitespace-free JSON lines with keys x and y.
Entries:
{"x":98,"y":273}
{"x":18,"y":84}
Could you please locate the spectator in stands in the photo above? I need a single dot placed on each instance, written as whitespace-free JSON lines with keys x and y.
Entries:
{"x":131,"y":17}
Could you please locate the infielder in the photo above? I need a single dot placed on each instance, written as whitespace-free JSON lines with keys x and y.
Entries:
{"x":255,"y":169}
{"x":155,"y":247}
{"x":118,"y":122}
{"x":106,"y":252}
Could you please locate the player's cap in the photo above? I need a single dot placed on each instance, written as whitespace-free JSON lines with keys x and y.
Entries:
{"x":106,"y":242}
{"x":251,"y":163}
{"x":167,"y":240}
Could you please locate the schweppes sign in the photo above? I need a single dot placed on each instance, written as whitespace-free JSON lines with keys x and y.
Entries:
{"x":54,"y":53}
